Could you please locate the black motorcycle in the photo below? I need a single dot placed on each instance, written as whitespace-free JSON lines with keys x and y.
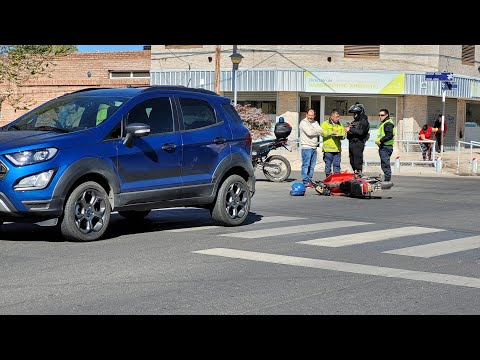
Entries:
{"x":275,"y":167}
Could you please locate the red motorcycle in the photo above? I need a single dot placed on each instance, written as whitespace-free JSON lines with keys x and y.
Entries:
{"x":351,"y":185}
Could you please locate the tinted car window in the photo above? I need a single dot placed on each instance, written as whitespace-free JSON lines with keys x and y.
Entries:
{"x":197,"y":113}
{"x":232,"y":112}
{"x":155,"y":112}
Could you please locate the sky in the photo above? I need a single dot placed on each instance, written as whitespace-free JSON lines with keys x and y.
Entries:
{"x":105,"y":48}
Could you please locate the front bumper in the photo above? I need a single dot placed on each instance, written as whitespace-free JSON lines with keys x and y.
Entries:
{"x":36,"y":209}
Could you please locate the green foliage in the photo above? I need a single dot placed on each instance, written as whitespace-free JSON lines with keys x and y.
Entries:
{"x":21,"y":63}
{"x":259,"y":124}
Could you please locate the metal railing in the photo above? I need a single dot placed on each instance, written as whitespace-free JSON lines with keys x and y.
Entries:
{"x":406,"y":145}
{"x":473,"y":161}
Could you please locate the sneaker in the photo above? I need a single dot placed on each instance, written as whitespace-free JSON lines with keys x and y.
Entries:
{"x":308,"y":184}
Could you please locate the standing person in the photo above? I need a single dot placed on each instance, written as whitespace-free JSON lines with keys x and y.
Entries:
{"x":310,"y":131}
{"x":333,"y":133}
{"x":426,"y":133}
{"x":385,"y":136}
{"x":439,"y":135}
{"x":357,"y":135}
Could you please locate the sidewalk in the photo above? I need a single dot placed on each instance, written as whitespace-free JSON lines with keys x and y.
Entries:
{"x":449,"y":169}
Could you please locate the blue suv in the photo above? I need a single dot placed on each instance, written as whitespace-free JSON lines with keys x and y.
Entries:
{"x":78,"y":157}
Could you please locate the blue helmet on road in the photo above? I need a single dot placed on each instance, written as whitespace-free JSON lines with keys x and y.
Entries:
{"x":297,"y":189}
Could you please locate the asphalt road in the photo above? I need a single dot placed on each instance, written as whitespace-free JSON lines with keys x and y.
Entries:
{"x":413,"y":250}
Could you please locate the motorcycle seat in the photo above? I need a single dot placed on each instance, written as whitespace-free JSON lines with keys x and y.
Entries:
{"x":261,"y":144}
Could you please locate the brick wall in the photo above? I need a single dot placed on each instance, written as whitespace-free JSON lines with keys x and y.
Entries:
{"x":70,"y":74}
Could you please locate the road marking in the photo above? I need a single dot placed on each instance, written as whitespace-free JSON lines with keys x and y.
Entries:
{"x":344,"y":267}
{"x":263,"y":220}
{"x":369,"y":236}
{"x":254,"y":234}
{"x":194,"y":228}
{"x":439,"y":248}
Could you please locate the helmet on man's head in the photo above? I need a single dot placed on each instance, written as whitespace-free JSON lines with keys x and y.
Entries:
{"x":356,"y":108}
{"x":297,"y":189}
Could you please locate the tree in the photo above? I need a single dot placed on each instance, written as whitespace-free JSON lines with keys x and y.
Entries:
{"x":22,"y":63}
{"x":259,"y":124}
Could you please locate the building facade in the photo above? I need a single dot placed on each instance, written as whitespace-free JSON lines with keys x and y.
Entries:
{"x":287,"y":80}
{"x":83,"y":70}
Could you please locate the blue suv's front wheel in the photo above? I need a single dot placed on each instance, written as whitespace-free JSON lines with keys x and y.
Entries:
{"x":232,"y":204}
{"x":86,"y":214}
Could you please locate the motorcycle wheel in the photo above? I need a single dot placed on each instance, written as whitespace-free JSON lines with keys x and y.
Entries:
{"x":273,"y":174}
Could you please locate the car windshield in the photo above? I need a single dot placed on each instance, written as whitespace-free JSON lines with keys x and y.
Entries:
{"x":70,"y":113}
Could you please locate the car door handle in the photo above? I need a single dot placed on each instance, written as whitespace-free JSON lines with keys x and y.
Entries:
{"x":169,"y":147}
{"x":219,"y":140}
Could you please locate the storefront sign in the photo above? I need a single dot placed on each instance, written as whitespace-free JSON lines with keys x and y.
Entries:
{"x":475,"y":89}
{"x":355,"y":82}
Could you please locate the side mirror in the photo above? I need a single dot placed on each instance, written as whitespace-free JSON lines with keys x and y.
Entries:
{"x":135,"y":130}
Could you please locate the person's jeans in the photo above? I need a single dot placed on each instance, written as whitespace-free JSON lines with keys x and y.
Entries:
{"x":309,"y":159}
{"x":426,"y":151}
{"x":385,"y":153}
{"x":332,"y":158}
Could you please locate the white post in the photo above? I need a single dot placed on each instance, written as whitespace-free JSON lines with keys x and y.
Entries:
{"x":438,"y":165}
{"x":443,"y":123}
{"x":397,"y":164}
{"x":474,"y":166}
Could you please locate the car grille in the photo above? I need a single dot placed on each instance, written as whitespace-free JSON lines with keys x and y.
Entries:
{"x":3,"y":170}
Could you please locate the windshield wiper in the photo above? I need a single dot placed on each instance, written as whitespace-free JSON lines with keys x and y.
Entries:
{"x":13,"y":127}
{"x":51,"y":128}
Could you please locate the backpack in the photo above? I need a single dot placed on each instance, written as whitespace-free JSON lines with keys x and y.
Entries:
{"x":367,"y":136}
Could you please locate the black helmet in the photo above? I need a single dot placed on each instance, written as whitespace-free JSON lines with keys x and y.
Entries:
{"x":356,"y":108}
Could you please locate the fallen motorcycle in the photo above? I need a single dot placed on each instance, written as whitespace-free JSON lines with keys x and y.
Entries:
{"x":350,"y":184}
{"x":276,"y":168}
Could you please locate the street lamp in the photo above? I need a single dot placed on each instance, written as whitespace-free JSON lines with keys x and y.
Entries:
{"x":236,"y":60}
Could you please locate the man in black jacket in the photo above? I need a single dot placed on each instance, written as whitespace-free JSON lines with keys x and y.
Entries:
{"x":358,"y":133}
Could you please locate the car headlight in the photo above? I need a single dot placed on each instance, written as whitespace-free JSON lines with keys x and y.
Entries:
{"x":31,"y":156}
{"x":36,"y":181}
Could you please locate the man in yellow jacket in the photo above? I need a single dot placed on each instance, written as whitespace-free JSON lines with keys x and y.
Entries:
{"x":333,"y":133}
{"x":385,"y":141}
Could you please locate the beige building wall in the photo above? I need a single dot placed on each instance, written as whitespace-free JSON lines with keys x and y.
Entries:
{"x":392,"y":57}
{"x":287,"y":106}
{"x":414,"y":116}
{"x":451,"y":61}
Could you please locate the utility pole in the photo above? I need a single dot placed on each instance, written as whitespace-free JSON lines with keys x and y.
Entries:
{"x":217,"y":68}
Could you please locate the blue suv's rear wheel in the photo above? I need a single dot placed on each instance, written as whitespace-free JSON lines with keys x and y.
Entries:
{"x":233,"y":202}
{"x":86,"y":214}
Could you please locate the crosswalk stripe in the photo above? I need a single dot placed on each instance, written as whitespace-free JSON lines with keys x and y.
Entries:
{"x":369,"y":236}
{"x":439,"y":248}
{"x":345,"y":267}
{"x":263,"y":220}
{"x":194,"y":228}
{"x":254,"y":234}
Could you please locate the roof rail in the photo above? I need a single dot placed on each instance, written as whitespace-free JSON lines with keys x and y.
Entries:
{"x":87,"y":89}
{"x":178,"y":87}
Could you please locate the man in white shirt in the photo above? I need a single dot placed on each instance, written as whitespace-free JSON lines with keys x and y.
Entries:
{"x":310,"y":131}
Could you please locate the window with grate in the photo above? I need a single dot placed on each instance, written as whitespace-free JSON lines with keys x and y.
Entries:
{"x":468,"y":54}
{"x":129,"y":74}
{"x":361,"y":51}
{"x":183,"y":46}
